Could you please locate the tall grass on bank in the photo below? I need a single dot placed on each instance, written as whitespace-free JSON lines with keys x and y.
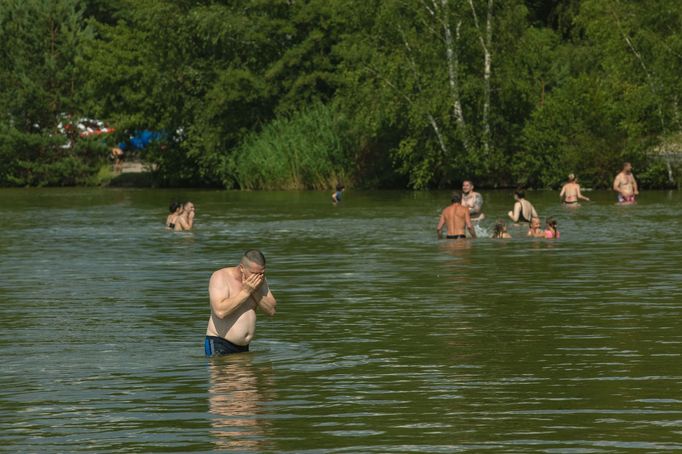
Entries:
{"x":303,"y":151}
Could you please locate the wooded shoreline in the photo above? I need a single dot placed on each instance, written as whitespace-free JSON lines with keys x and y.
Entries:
{"x":377,"y":94}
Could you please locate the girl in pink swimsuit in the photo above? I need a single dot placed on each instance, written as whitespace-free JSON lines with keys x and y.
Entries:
{"x":551,"y":232}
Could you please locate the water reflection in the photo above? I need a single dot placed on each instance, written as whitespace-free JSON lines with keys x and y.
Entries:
{"x":455,"y":247}
{"x":238,"y":391}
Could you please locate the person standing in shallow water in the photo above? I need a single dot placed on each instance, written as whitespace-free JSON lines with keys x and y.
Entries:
{"x":186,"y":219}
{"x":626,"y":185}
{"x":336,"y":196}
{"x":175,"y":210}
{"x":570,"y":193}
{"x":235,"y":293}
{"x":456,"y":218}
{"x":523,"y":210}
{"x":472,"y":200}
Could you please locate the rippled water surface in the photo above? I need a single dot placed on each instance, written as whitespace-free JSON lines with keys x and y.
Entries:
{"x":385,"y":340}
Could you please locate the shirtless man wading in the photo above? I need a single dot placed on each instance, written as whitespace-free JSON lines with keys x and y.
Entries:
{"x":472,"y":200}
{"x":456,"y":217}
{"x":626,"y":185}
{"x":235,"y":293}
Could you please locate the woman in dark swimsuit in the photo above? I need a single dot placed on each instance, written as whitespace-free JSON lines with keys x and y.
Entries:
{"x":523,"y":210}
{"x":175,"y":209}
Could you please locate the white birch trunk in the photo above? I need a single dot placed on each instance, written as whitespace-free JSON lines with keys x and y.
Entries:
{"x":439,"y":136}
{"x":431,"y":118}
{"x":650,"y":79}
{"x":486,"y":45}
{"x":453,"y":70}
{"x":488,"y":63}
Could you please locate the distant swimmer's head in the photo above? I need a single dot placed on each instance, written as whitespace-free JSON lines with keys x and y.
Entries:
{"x":467,"y":186}
{"x":571,"y":178}
{"x":174,"y":206}
{"x":340,"y":187}
{"x":500,"y":229}
{"x":519,"y":194}
{"x":188,"y":206}
{"x":252,"y":262}
{"x":627,"y":167}
{"x":551,"y":223}
{"x":535,"y":223}
{"x":456,"y":197}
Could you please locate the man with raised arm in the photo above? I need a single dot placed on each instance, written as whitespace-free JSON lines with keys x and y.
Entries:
{"x":472,"y":200}
{"x":186,"y":219}
{"x":626,"y":185}
{"x":456,"y":218}
{"x":235,"y":293}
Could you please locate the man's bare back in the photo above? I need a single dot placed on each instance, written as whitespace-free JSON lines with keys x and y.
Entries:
{"x":235,"y":293}
{"x":456,"y":218}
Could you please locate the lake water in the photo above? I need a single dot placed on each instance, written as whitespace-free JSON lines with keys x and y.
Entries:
{"x":385,"y":340}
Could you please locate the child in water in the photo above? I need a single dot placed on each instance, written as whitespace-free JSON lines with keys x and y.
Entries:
{"x":501,"y":231}
{"x":551,"y":232}
{"x":535,"y":229}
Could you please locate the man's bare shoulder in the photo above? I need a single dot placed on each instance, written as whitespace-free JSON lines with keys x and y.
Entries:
{"x":224,"y":274}
{"x":462,"y":209}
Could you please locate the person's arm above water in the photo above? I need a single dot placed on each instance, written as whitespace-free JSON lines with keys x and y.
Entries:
{"x":441,"y":223}
{"x":218,"y":287}
{"x":515,"y":214}
{"x":580,"y":195}
{"x":470,"y":227}
{"x":187,"y":222}
{"x":616,"y":183}
{"x":264,"y":299}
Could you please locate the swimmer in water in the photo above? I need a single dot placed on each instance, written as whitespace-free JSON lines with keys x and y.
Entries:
{"x":535,"y":229}
{"x":235,"y":293}
{"x":570,"y":192}
{"x":626,"y":185}
{"x":336,"y":196}
{"x":175,"y":210}
{"x":472,"y":200}
{"x":501,"y":231}
{"x":186,"y":219}
{"x":552,"y":231}
{"x":523,"y":210}
{"x":456,"y":218}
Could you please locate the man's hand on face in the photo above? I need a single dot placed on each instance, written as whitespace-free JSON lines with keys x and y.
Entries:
{"x":253,"y":283}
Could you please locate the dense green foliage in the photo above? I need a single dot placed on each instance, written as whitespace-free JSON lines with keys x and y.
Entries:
{"x":304,"y":151}
{"x":262,"y":94}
